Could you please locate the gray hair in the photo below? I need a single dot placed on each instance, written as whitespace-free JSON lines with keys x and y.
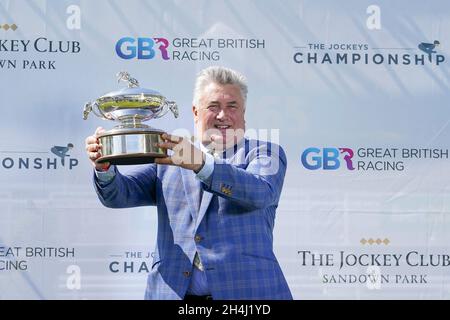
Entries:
{"x":219,"y":75}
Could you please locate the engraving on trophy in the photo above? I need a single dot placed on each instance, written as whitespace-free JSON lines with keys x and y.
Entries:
{"x":131,"y":141}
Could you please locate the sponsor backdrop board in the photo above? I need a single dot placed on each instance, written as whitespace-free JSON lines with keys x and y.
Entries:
{"x":356,"y":92}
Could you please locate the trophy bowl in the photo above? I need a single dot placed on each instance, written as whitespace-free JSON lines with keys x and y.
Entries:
{"x":131,"y":141}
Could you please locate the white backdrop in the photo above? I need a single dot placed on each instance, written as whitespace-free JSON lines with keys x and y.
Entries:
{"x":364,"y":76}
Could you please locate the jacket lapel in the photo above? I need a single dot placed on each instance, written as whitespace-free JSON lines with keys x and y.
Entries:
{"x":206,"y":200}
{"x":207,"y":196}
{"x":192,"y":190}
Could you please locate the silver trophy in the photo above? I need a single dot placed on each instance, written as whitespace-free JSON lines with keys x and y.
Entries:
{"x":130,"y":142}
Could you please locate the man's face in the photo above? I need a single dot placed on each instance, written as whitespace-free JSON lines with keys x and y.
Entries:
{"x":220,"y":115}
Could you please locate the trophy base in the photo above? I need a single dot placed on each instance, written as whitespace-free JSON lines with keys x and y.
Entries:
{"x":129,"y":147}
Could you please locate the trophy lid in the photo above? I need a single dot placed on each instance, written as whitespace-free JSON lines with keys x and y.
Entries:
{"x":131,"y":104}
{"x":132,"y":88}
{"x":132,"y":91}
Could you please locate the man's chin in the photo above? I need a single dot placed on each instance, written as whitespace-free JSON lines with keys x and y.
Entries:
{"x":222,"y":139}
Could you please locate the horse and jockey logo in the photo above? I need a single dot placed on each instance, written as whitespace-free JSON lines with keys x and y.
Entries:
{"x":61,"y":152}
{"x":428,"y":48}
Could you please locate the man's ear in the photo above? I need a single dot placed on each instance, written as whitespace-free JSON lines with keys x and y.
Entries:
{"x":195,"y":113}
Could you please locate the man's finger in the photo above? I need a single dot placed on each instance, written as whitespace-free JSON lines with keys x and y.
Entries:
{"x":94,"y":155}
{"x":166,"y":160}
{"x":167,"y":145}
{"x":171,"y":138}
{"x":98,"y":131}
{"x":91,"y":140}
{"x":93,"y":147}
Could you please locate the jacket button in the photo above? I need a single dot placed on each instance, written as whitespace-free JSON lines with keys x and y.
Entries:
{"x":187,"y":274}
{"x":198,"y":238}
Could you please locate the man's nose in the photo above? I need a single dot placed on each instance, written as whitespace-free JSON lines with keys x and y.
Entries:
{"x":221,"y":114}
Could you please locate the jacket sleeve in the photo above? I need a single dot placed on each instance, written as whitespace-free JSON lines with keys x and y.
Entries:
{"x":134,"y":189}
{"x":257,"y":183}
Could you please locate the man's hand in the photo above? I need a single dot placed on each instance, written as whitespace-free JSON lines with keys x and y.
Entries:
{"x":93,"y":150}
{"x":185,"y":154}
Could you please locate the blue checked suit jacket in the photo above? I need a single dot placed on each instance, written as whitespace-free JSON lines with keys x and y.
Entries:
{"x":230,"y":225}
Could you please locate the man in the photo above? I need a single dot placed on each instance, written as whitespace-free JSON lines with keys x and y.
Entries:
{"x":216,"y":212}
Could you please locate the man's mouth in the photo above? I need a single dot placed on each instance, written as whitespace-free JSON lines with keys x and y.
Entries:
{"x":222,"y":127}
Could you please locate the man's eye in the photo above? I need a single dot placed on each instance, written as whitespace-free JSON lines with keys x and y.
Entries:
{"x":212,"y":108}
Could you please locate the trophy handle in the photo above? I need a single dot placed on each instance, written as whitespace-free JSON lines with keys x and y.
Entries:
{"x":168,"y":105}
{"x":92,"y":107}
{"x":87,"y":109}
{"x":174,"y":108}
